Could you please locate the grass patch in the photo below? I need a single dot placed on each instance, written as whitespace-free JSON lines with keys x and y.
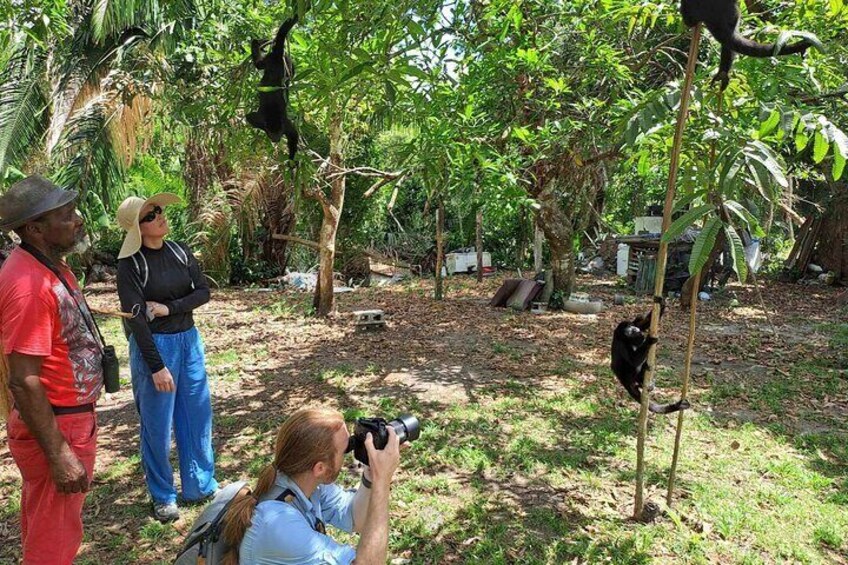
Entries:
{"x":226,"y":357}
{"x":155,"y":531}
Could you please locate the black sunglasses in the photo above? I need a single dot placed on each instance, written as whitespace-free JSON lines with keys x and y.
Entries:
{"x":157,"y":210}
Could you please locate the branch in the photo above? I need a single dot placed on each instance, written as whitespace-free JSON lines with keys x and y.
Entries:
{"x":381,"y":183}
{"x":837,"y":94}
{"x":316,"y":194}
{"x":293,"y":239}
{"x":365,"y":172}
{"x":648,"y":55}
{"x":792,"y":213}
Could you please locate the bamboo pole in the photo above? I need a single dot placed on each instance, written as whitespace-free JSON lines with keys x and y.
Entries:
{"x":684,"y":391}
{"x":690,"y":346}
{"x":662,"y":257}
{"x":440,"y":258}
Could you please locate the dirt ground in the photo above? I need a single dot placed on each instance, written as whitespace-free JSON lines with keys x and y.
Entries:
{"x":266,"y":358}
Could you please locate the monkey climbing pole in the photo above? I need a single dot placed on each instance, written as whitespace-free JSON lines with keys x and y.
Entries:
{"x":662,"y":257}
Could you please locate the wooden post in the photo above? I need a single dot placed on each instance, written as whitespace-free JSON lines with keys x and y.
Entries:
{"x":662,"y":258}
{"x":479,"y":244}
{"x":440,"y":254}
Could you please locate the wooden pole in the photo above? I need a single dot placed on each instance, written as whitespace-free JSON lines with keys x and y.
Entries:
{"x":684,"y":391}
{"x":662,"y":258}
{"x":479,"y":244}
{"x":440,"y":255}
{"x":690,"y":346}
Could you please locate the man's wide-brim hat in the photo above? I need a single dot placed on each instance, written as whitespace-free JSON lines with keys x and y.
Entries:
{"x":128,"y":216}
{"x":29,"y":199}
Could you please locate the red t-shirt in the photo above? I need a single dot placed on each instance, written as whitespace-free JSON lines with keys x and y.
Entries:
{"x":38,"y":317}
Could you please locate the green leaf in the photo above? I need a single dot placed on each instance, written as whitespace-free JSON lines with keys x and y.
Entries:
{"x":737,"y":253}
{"x":521,"y":133}
{"x":415,"y":71}
{"x":355,"y":70}
{"x":838,"y":164}
{"x":686,"y":220}
{"x":644,"y":165}
{"x":801,"y":140}
{"x":764,"y":155}
{"x":704,"y":245}
{"x":820,"y":147}
{"x":747,"y":218}
{"x":771,"y":122}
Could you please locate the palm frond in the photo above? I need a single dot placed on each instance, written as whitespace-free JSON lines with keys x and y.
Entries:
{"x":110,"y":18}
{"x":85,"y":155}
{"x":212,"y":238}
{"x":23,"y":116}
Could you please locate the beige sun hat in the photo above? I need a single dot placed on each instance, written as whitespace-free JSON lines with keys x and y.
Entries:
{"x":128,"y":216}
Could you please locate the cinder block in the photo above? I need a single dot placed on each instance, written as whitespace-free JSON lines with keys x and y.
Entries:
{"x":369,"y":319}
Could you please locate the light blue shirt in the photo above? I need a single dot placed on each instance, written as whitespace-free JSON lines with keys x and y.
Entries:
{"x":283,"y":533}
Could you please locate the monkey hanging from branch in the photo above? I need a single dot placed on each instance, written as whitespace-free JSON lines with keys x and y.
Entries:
{"x":278,"y":70}
{"x":722,"y":17}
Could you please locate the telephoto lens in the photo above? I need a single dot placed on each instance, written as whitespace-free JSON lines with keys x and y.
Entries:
{"x":406,"y":427}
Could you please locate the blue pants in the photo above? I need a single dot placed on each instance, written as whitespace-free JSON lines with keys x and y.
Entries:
{"x":189,"y":410}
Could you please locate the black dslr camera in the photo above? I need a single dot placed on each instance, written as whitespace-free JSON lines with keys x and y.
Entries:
{"x":406,"y":427}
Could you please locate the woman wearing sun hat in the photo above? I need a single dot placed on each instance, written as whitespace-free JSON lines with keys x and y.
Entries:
{"x":160,"y":283}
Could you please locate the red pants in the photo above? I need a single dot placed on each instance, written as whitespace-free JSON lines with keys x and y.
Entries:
{"x":51,"y":523}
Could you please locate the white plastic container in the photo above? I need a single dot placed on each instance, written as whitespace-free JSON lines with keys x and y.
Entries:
{"x":622,"y":260}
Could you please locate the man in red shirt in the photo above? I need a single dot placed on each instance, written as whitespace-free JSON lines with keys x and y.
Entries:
{"x":55,"y":368}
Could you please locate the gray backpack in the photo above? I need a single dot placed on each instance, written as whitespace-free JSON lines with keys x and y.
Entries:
{"x":204,"y":544}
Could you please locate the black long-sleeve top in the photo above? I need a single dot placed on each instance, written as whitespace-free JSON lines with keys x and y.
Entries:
{"x":180,"y":287}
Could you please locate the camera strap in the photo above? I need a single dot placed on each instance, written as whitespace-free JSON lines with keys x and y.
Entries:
{"x":85,"y":313}
{"x":289,"y":496}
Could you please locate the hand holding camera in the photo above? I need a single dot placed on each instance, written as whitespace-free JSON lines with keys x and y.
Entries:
{"x":406,"y":428}
{"x":383,"y":462}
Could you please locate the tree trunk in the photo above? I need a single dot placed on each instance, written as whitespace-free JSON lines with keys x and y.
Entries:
{"x":832,"y":250}
{"x":324,"y":298}
{"x":521,"y":247}
{"x":559,"y":233}
{"x":479,"y":244}
{"x":440,"y":251}
{"x":332,"y":207}
{"x":538,"y":246}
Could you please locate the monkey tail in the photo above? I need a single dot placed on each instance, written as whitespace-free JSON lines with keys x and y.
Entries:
{"x":745,"y":46}
{"x":668,"y":408}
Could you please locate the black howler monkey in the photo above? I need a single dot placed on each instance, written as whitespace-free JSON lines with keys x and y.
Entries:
{"x":278,"y":71}
{"x":629,"y":361}
{"x":722,"y":19}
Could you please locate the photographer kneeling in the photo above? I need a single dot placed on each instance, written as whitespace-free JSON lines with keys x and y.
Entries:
{"x":282,"y":520}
